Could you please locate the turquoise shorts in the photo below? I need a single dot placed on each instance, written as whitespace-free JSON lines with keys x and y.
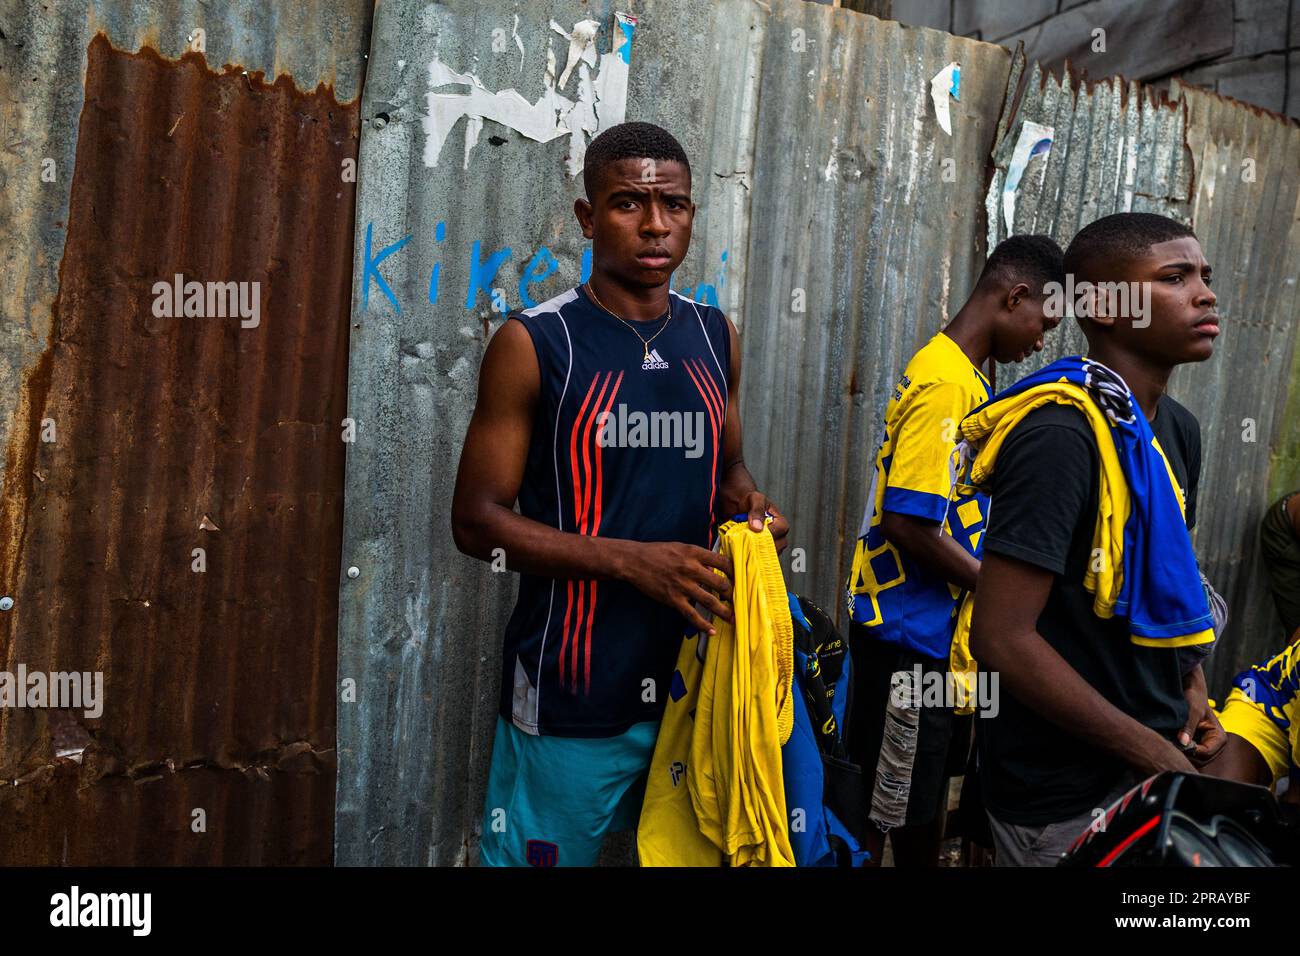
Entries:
{"x":551,"y":800}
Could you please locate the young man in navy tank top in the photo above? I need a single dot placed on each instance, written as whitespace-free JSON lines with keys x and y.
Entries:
{"x":609,"y":413}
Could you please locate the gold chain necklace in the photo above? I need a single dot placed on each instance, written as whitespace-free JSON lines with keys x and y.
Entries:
{"x":645,"y":343}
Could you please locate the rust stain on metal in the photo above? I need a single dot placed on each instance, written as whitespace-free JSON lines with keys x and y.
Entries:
{"x":218,"y":684}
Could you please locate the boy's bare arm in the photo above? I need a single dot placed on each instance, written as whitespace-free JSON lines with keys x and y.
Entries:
{"x":1005,"y":639}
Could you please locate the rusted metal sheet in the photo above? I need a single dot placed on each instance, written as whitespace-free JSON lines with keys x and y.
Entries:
{"x":819,"y":165}
{"x":42,"y":68}
{"x":876,"y":8}
{"x":142,"y":436}
{"x":269,"y":812}
{"x":1229,"y":170}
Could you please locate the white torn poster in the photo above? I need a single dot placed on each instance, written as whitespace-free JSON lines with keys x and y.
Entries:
{"x":945,"y":83}
{"x":581,"y":122}
{"x":601,"y":100}
{"x":582,"y":46}
{"x":611,"y":85}
{"x":534,"y":120}
{"x":514,"y":32}
{"x":607,"y":93}
{"x":1129,"y":157}
{"x":1035,"y":139}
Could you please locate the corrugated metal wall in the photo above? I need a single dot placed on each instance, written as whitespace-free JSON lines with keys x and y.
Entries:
{"x":860,"y":201}
{"x":818,"y":165}
{"x":1231,"y":172}
{"x":1118,"y":147}
{"x":419,"y":627}
{"x":133,"y":439}
{"x":822,"y":177}
{"x":821,"y":173}
{"x":1246,"y":211}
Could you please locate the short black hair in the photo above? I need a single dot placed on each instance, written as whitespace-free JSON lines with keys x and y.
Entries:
{"x":630,"y":141}
{"x":1034,"y":260}
{"x":1100,"y":247}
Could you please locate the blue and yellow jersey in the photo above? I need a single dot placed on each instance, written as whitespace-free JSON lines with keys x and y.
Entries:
{"x":1262,"y":708}
{"x":917,"y":472}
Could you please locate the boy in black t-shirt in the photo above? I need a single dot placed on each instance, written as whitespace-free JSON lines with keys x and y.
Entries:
{"x":1085,"y":711}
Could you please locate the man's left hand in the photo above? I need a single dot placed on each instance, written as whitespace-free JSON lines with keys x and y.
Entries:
{"x":758,"y":506}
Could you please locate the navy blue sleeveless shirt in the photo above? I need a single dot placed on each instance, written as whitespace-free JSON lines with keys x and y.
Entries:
{"x":621,"y":447}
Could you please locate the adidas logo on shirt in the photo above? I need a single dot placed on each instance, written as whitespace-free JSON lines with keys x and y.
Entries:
{"x":655,"y":361}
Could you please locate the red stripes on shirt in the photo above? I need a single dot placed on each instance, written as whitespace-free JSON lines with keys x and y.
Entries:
{"x":588,"y":495}
{"x":714,"y":404}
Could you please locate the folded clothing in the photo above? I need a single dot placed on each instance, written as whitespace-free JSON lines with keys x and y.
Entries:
{"x":715,"y":791}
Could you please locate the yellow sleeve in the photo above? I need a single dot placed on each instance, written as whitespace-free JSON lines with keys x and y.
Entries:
{"x":961,"y":663}
{"x":925,"y":437}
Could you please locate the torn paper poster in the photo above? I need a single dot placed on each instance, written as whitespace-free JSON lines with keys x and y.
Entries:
{"x":602,"y":101}
{"x":945,"y":83}
{"x":1130,"y":158}
{"x":601,"y":98}
{"x":514,"y":31}
{"x":1035,"y":139}
{"x":582,"y":46}
{"x":611,"y":85}
{"x":581,"y":121}
{"x":473,"y":126}
{"x":535,"y":120}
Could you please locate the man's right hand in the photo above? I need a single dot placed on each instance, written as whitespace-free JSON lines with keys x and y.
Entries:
{"x":681,"y":574}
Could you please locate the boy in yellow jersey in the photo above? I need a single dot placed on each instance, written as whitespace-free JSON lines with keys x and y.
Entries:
{"x":918,"y":552}
{"x":1262,"y":719}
